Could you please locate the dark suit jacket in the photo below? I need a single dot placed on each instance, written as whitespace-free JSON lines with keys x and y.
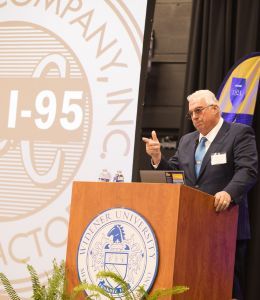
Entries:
{"x":236,"y":176}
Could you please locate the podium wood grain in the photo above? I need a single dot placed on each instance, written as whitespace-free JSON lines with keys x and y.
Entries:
{"x":196,"y":244}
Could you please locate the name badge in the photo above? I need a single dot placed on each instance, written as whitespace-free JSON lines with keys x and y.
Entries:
{"x":218,"y":159}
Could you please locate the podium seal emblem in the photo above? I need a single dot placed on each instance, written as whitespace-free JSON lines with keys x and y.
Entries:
{"x":121,"y":241}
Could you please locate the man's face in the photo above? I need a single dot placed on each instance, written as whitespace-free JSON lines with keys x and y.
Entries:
{"x":204,"y":116}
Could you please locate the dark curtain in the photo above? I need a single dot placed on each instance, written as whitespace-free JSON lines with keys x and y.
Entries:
{"x":222,"y":32}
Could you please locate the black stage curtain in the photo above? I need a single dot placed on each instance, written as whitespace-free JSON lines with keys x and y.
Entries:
{"x":222,"y":32}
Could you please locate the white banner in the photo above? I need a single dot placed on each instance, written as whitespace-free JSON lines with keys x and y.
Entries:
{"x":69,"y":82}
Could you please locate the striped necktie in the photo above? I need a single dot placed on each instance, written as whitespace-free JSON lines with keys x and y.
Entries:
{"x":199,"y":155}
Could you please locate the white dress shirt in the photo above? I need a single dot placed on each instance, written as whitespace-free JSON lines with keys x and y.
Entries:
{"x":212,"y":134}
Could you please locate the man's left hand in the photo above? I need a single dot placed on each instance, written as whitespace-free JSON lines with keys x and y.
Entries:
{"x":222,"y":201}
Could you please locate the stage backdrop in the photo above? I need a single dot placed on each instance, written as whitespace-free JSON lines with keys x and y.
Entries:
{"x":69,"y":82}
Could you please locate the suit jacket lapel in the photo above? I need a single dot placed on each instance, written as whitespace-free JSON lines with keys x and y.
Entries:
{"x":194,"y":144}
{"x":215,"y":146}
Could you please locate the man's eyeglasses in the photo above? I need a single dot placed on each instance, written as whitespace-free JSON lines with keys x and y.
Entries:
{"x":197,"y":111}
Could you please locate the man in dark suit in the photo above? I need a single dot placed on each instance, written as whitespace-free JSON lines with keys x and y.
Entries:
{"x":220,"y":159}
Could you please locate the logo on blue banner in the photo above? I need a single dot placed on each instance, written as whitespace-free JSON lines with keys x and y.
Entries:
{"x":237,"y":91}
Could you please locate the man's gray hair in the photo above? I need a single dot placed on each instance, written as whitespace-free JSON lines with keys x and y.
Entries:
{"x":207,"y":95}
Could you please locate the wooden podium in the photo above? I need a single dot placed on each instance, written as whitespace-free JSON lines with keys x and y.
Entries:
{"x":196,"y":244}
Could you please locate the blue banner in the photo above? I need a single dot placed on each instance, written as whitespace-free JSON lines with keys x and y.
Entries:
{"x":238,"y":92}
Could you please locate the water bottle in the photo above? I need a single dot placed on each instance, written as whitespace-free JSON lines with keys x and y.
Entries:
{"x":119,"y":177}
{"x":104,"y":176}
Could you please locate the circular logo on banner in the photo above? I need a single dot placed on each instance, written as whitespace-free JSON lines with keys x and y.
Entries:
{"x":121,"y":241}
{"x":69,"y":77}
{"x":46,"y":111}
